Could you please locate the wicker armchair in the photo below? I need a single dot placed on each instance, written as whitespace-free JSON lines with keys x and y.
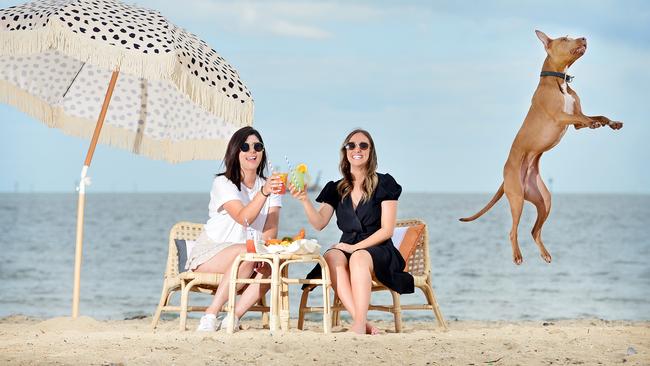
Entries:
{"x":187,"y":282}
{"x":418,"y":265}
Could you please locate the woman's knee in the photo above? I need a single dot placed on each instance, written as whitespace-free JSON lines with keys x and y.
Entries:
{"x":335,"y":258}
{"x":360,"y":259}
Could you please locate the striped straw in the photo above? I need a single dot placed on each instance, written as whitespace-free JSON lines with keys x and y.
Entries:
{"x":270,"y":167}
{"x":293,"y":173}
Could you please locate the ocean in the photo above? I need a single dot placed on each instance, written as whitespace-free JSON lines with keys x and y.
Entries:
{"x":600,"y":246}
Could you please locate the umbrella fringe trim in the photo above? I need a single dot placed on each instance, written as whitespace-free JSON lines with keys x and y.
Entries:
{"x":150,"y":66}
{"x":171,"y":151}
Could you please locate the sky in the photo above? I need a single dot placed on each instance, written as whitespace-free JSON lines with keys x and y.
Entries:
{"x":443,"y":87}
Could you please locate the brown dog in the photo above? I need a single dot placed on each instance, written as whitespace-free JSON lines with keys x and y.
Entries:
{"x":554,"y":107}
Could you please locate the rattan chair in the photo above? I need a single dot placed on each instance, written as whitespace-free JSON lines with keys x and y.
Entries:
{"x":418,"y":265}
{"x":187,"y":282}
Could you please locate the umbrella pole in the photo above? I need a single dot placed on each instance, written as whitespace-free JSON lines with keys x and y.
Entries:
{"x":82,"y":194}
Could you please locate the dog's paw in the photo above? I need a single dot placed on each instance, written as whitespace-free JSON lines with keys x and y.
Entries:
{"x":546,"y":257}
{"x":595,"y":124}
{"x":517,"y":258}
{"x":615,"y":125}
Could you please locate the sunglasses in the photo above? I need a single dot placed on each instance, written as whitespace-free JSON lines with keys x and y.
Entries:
{"x":258,"y":146}
{"x":352,"y":146}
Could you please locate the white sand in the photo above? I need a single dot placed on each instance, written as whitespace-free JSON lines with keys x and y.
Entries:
{"x":26,"y":341}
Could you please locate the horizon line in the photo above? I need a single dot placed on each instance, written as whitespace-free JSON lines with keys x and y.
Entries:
{"x":635,"y":193}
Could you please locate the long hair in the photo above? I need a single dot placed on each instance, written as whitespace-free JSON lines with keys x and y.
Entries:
{"x":231,"y":159}
{"x":370,"y":180}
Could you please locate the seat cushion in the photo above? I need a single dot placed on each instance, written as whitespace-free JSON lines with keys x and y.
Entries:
{"x":183,"y":248}
{"x":406,"y":239}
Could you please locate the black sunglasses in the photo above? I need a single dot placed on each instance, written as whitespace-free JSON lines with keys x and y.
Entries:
{"x":258,"y":146}
{"x":352,"y":146}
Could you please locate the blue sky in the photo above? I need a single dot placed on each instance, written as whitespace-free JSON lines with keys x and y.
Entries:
{"x":442,"y":86}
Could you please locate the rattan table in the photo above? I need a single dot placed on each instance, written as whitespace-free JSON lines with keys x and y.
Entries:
{"x":279,"y":282}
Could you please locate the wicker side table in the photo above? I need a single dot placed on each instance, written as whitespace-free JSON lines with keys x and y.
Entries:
{"x":280,"y":281}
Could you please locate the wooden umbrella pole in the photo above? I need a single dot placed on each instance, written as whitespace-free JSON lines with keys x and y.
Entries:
{"x":82,"y":194}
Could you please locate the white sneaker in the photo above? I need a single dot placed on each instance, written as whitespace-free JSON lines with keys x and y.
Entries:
{"x":208,"y":323}
{"x":225,"y":322}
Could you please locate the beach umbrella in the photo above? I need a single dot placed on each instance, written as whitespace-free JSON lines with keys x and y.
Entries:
{"x":121,"y":75}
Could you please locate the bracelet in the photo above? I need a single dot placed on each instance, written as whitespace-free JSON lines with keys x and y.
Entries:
{"x":262,"y":192}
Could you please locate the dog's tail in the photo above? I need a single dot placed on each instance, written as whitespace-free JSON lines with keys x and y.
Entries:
{"x":494,"y":200}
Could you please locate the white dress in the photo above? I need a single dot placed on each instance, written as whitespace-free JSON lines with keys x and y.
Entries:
{"x":221,"y":230}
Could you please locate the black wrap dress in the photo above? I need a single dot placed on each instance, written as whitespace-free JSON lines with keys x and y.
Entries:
{"x":359,"y":224}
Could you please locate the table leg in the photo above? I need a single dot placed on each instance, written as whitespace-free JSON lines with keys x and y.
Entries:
{"x":275,"y":289}
{"x":284,"y":299}
{"x":327,"y":310}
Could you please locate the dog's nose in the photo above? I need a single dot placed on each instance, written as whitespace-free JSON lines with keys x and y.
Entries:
{"x":583,"y":39}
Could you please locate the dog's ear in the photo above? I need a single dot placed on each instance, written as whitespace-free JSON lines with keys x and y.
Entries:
{"x":543,"y":37}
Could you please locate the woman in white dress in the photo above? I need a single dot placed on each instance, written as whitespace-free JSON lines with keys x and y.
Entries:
{"x":239,"y":195}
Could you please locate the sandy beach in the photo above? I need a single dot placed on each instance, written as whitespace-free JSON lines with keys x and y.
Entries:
{"x":63,"y":341}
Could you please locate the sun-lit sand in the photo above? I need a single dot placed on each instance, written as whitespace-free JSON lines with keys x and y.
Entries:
{"x":128,"y":342}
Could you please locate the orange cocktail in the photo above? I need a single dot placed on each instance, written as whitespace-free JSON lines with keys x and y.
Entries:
{"x":283,"y":179}
{"x":250,"y":238}
{"x":250,"y":245}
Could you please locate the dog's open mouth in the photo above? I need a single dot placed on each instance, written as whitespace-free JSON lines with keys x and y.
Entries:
{"x":580,"y":50}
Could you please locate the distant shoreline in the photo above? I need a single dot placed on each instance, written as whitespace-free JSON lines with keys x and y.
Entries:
{"x":405,"y":192}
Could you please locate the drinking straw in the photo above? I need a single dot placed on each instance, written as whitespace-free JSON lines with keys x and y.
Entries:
{"x":271,"y":170}
{"x":293,"y":174}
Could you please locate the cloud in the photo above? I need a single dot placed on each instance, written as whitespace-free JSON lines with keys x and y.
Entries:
{"x":284,"y":28}
{"x":295,"y":19}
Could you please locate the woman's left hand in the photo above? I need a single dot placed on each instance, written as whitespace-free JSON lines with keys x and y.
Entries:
{"x":300,"y":195}
{"x":345,"y":247}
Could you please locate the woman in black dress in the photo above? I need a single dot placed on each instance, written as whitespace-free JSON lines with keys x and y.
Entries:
{"x":365,"y":203}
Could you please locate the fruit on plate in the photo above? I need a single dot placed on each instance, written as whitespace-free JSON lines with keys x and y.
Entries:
{"x":287,"y":240}
{"x":301,"y":235}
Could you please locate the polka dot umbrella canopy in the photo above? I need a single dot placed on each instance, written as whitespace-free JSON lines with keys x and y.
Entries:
{"x":176,"y":99}
{"x":123,"y":75}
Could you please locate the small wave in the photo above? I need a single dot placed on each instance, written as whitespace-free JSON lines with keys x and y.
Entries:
{"x":545,"y":290}
{"x":624,"y":300}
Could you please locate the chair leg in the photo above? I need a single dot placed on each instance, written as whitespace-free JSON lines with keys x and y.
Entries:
{"x":232,"y":293}
{"x":169,"y":296}
{"x":397,"y":311}
{"x":161,"y":304}
{"x":185,"y":297}
{"x":301,"y":309}
{"x":431,"y":299}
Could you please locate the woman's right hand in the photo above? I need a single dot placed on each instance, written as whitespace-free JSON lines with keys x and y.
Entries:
{"x":300,"y":195}
{"x":272,"y":184}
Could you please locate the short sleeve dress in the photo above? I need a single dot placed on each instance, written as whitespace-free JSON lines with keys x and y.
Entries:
{"x":359,"y":224}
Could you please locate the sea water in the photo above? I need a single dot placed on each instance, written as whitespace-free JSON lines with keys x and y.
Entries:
{"x":600,"y":246}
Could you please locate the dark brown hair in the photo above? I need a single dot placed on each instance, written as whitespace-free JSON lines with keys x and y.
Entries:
{"x":231,"y":159}
{"x":370,"y":181}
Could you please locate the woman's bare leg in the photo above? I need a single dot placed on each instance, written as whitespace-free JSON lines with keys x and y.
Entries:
{"x":361,"y":268}
{"x":340,"y":277}
{"x":221,"y":263}
{"x":250,"y":296}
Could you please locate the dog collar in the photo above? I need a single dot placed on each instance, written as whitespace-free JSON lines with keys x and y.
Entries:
{"x":560,"y":75}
